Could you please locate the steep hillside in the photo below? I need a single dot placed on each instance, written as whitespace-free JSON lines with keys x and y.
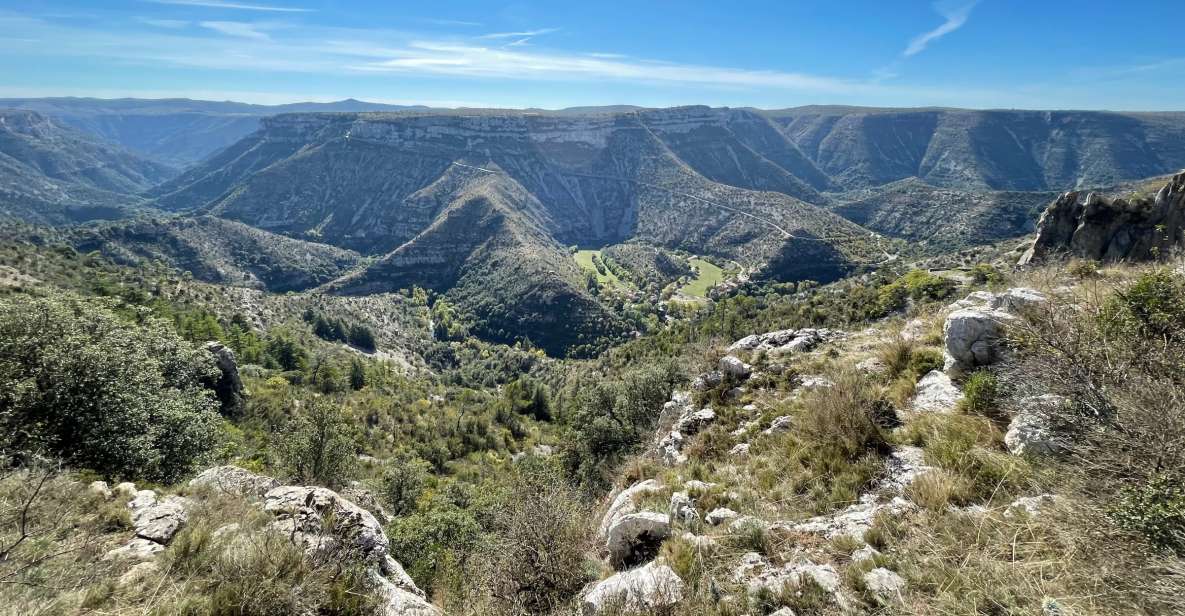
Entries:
{"x":51,"y":174}
{"x":480,"y":205}
{"x":997,"y":150}
{"x":487,"y":248}
{"x":174,"y":132}
{"x":64,"y":154}
{"x":220,"y":251}
{"x":943,"y":217}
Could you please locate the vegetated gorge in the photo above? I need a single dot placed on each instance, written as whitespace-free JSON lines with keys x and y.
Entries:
{"x":362,"y":359}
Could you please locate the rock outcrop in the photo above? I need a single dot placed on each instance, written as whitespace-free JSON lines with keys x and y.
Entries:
{"x":234,"y":480}
{"x":785,"y":341}
{"x":326,"y":524}
{"x":684,"y":421}
{"x":228,"y":386}
{"x":974,"y":331}
{"x":1102,"y":229}
{"x":635,"y":538}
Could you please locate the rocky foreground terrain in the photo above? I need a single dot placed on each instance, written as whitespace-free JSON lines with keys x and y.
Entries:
{"x":960,"y":456}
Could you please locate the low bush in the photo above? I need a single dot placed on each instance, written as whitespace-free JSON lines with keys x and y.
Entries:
{"x":123,"y":399}
{"x":980,"y":393}
{"x":1155,"y":510}
{"x":318,"y":445}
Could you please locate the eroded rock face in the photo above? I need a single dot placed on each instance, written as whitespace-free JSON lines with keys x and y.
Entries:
{"x":635,"y":538}
{"x":1100,"y":229}
{"x":652,"y":587}
{"x":228,"y":387}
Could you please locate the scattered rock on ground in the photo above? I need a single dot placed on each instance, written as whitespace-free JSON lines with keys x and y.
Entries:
{"x":1032,"y":506}
{"x":652,"y":587}
{"x":720,"y":515}
{"x":1030,"y":432}
{"x":884,"y":584}
{"x":100,"y":489}
{"x":157,"y":520}
{"x":936,"y":393}
{"x":138,"y":549}
{"x":732,"y":366}
{"x":779,"y":424}
{"x":683,"y":508}
{"x":234,"y":480}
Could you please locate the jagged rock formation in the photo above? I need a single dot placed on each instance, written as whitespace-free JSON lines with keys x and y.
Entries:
{"x":1104,"y":229}
{"x":228,"y":387}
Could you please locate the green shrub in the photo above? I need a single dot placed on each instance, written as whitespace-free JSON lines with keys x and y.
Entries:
{"x":924,"y":360}
{"x":609,"y":420}
{"x":917,"y":285}
{"x":318,"y":447}
{"x":120,"y":398}
{"x":404,"y":481}
{"x":980,"y":393}
{"x":533,"y":559}
{"x":434,"y":540}
{"x":1155,"y":510}
{"x":1153,"y":306}
{"x":984,"y":273}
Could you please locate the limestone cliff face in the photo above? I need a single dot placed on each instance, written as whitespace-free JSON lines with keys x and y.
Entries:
{"x":1102,"y":229}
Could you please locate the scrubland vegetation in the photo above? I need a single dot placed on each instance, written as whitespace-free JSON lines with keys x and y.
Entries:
{"x":491,"y":464}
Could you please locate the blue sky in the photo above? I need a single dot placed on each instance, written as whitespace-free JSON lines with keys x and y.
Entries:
{"x":1087,"y":54}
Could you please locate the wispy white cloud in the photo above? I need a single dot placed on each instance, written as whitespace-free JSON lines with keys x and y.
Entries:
{"x":172,"y":24}
{"x":237,"y":29}
{"x":516,"y":35}
{"x":956,"y":16}
{"x":474,"y":60}
{"x":453,"y":22}
{"x":372,"y":54}
{"x":220,"y":4}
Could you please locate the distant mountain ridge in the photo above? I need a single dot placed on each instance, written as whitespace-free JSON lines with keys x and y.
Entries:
{"x":985,"y":150}
{"x":53,"y":174}
{"x":175,"y":132}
